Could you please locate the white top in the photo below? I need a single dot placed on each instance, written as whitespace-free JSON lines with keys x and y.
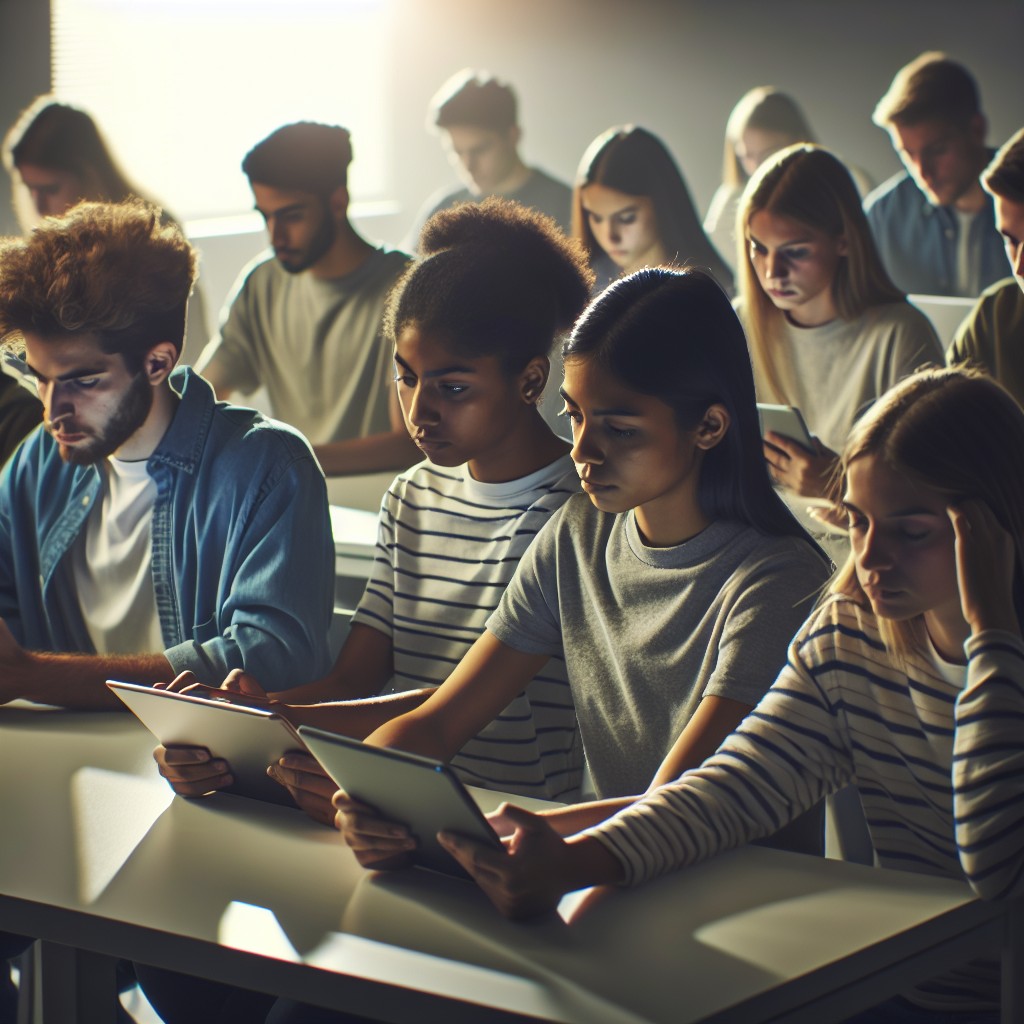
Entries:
{"x":111,"y":563}
{"x":447,"y":548}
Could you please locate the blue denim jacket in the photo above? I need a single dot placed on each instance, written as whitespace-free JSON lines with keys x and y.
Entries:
{"x":243,"y":559}
{"x":918,"y":241}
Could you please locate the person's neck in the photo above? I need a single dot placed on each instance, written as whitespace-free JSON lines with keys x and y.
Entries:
{"x":348,"y":252}
{"x":529,"y":449}
{"x":654,"y":257}
{"x":144,"y":441}
{"x":948,"y":633}
{"x":513,"y":181}
{"x":971,"y":201}
{"x":667,"y":524}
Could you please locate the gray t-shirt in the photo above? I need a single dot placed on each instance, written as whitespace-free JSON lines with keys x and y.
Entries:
{"x":315,"y":344}
{"x":648,"y":632}
{"x":540,"y":192}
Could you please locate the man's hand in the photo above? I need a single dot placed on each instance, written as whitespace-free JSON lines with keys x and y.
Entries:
{"x":309,"y":787}
{"x":191,"y":771}
{"x":803,"y":472}
{"x":377,"y":843}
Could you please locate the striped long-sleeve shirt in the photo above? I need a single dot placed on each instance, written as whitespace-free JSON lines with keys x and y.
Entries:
{"x":447,"y":547}
{"x":938,"y":764}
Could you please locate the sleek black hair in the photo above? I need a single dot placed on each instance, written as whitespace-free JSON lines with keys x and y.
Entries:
{"x":496,"y":278}
{"x":306,"y":156}
{"x":673,"y":334}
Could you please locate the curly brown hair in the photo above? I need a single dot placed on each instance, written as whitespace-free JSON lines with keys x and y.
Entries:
{"x":113,"y":270}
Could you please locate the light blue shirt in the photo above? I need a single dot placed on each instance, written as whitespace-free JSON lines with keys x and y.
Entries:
{"x":243,"y":559}
{"x":918,"y":242}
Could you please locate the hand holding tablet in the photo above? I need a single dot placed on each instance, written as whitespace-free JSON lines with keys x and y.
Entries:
{"x":414,"y":794}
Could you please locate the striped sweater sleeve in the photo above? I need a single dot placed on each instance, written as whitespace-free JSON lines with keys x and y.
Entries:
{"x":785,"y":756}
{"x":988,"y":766}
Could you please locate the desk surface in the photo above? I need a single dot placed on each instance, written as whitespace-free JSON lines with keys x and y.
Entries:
{"x":97,"y":854}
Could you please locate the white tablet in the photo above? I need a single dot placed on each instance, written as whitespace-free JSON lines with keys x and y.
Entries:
{"x":424,"y":795}
{"x":249,"y":739}
{"x":787,"y":421}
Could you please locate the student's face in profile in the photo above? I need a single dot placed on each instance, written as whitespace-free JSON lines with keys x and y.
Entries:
{"x":624,"y":226}
{"x":300,"y":225}
{"x":459,"y":408}
{"x":1010,"y":224}
{"x":755,"y":145}
{"x":91,"y":403}
{"x":902,"y":543}
{"x":53,"y":192}
{"x":943,"y":159}
{"x":627,"y":446}
{"x":483,"y":158}
{"x":795,"y":265}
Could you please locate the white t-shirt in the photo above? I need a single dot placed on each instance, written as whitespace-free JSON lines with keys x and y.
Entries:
{"x":112,"y":563}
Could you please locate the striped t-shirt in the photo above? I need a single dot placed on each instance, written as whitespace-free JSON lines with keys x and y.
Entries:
{"x":446,"y":548}
{"x":936,"y":760}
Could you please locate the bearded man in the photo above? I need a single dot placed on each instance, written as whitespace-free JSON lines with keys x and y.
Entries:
{"x":145,"y":529}
{"x":306,"y":322}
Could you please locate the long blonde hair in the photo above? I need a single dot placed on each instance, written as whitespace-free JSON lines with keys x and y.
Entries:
{"x":768,"y":110}
{"x":956,"y":431}
{"x":807,"y":184}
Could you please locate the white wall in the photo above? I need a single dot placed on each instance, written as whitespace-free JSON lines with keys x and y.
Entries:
{"x":675,"y":66}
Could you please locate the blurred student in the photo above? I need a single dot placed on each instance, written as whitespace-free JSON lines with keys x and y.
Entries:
{"x":306,"y":322}
{"x":57,"y":156}
{"x":828,"y":330}
{"x":476,"y":117}
{"x":631,"y":208}
{"x":908,"y":682}
{"x":992,"y":336}
{"x":764,"y":121}
{"x":933,"y":221}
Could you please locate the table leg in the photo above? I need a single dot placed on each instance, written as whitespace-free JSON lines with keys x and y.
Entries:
{"x":1013,"y":964}
{"x":74,"y":986}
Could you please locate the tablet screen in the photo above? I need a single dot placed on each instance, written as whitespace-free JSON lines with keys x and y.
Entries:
{"x":248,"y":739}
{"x":424,"y":795}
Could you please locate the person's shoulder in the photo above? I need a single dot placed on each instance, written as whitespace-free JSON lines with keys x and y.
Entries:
{"x":540,"y":178}
{"x":383,"y":267}
{"x":261,"y":272}
{"x":776,"y":554}
{"x":840,"y":625}
{"x":901,"y":315}
{"x":891,"y":195}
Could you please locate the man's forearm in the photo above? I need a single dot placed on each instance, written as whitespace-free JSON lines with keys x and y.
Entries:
{"x":376,"y":453}
{"x":79,"y":680}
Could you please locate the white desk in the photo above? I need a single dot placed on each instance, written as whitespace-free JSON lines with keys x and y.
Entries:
{"x":97,"y":856}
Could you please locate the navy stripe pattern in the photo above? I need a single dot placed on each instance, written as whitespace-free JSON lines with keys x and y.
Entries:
{"x":939,"y":768}
{"x":447,"y":547}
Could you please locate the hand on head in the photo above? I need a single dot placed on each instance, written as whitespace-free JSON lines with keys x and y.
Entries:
{"x":986,"y":560}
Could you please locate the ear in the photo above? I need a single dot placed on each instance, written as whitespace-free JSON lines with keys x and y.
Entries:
{"x":159,"y":361}
{"x":842,"y":245}
{"x":533,"y":379}
{"x":713,"y":427}
{"x":515,"y":136}
{"x":337,"y":202}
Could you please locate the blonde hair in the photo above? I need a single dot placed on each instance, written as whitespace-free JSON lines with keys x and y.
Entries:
{"x":956,"y":431}
{"x":765,"y":109}
{"x":812,"y":186}
{"x":931,"y":87}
